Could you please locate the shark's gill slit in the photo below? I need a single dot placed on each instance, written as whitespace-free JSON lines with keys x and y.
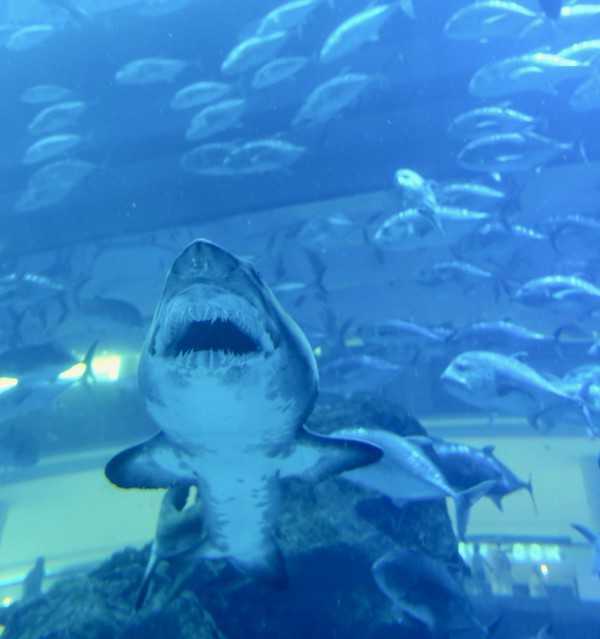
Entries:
{"x":217,"y":335}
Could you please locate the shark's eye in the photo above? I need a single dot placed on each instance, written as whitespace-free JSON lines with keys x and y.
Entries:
{"x":218,"y":335}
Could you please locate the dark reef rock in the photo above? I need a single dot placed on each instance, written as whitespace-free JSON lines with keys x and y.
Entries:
{"x":330,"y":535}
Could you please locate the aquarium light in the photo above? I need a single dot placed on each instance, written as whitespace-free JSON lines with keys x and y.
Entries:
{"x":74,"y":373}
{"x":105,"y":368}
{"x":518,"y":552}
{"x":6,"y":383}
{"x":544,"y":569}
{"x":7,"y":601}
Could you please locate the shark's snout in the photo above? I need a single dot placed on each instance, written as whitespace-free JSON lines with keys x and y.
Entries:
{"x":203,"y":259}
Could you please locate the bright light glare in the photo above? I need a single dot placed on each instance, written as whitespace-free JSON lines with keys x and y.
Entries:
{"x":544,"y":569}
{"x":6,"y":383}
{"x":75,"y":372}
{"x":6,"y":601}
{"x":107,"y":367}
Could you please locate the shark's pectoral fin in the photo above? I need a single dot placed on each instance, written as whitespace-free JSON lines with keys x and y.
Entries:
{"x":318,"y":456}
{"x":155,"y":463}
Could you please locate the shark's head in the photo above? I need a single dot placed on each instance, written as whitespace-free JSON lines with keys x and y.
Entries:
{"x":219,"y":334}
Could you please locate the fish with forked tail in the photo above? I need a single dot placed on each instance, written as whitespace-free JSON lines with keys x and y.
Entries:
{"x":179,"y":532}
{"x":425,"y":595}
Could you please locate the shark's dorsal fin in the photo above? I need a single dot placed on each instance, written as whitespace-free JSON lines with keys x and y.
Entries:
{"x":155,"y":463}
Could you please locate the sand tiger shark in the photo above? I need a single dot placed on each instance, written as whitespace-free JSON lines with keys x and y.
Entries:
{"x":229,"y":378}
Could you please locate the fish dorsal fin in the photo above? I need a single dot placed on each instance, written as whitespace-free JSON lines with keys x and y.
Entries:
{"x":155,"y":463}
{"x":497,"y":500}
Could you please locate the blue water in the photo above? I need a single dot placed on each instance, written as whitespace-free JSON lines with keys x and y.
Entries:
{"x":87,"y":261}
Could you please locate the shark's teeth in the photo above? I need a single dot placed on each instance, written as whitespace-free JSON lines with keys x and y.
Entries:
{"x":224,"y":309}
{"x":210,"y":359}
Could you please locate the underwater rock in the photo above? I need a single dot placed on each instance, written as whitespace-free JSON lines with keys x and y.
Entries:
{"x":100,"y":606}
{"x":329,"y":533}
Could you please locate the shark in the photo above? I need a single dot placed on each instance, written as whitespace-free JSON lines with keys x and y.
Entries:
{"x":229,"y":378}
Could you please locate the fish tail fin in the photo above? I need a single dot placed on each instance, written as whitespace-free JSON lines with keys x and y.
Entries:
{"x":463,"y":511}
{"x":319,"y":269}
{"x":582,"y":151}
{"x":78,"y":288}
{"x":584,"y":400}
{"x":369,"y":241}
{"x":88,"y":375}
{"x":558,"y":347}
{"x":465,"y":500}
{"x":407,"y":7}
{"x":433,"y":218}
{"x":147,"y":578}
{"x":491,"y":630}
{"x":585,"y":532}
{"x":545,"y":632}
{"x":501,"y":285}
{"x":529,"y":488}
{"x":554,"y":237}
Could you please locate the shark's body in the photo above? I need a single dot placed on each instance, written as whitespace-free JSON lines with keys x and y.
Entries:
{"x":230,"y":378}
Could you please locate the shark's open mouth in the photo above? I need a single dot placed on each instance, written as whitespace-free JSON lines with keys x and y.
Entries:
{"x":217,"y":335}
{"x":210,"y":329}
